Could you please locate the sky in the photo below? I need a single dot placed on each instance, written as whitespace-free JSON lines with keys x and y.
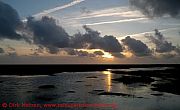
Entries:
{"x":91,"y":29}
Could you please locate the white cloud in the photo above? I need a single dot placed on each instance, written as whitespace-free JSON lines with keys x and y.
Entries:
{"x":151,"y":32}
{"x":115,"y":11}
{"x":116,"y":21}
{"x":124,"y":14}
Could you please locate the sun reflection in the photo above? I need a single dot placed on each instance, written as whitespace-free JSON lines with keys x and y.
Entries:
{"x":108,"y":80}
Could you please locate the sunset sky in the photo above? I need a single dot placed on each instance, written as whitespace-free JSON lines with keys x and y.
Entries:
{"x":91,"y":30}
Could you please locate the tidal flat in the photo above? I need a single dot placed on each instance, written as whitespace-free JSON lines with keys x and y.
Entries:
{"x":134,"y":88}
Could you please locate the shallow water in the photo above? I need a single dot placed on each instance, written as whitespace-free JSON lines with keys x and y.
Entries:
{"x":88,"y":88}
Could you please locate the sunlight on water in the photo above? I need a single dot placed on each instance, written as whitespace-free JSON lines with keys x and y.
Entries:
{"x":96,"y":87}
{"x":108,"y":80}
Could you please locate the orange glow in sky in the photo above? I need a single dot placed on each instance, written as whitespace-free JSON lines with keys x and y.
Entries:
{"x":127,"y":54}
{"x":106,"y":54}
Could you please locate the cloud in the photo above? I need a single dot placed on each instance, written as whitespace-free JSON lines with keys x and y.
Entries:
{"x":39,"y":50}
{"x":53,"y":49}
{"x":162,"y":45}
{"x":45,"y":12}
{"x":99,"y":53}
{"x":125,"y":14}
{"x":137,"y":47}
{"x":76,"y":52}
{"x":52,"y":36}
{"x":92,"y":40}
{"x":70,"y":51}
{"x":116,"y":21}
{"x":9,"y":20}
{"x":1,"y":50}
{"x":85,"y":53}
{"x":151,"y":32}
{"x":157,"y":8}
{"x":12,"y":54}
{"x":10,"y":25}
{"x":111,"y":44}
{"x":118,"y":55}
{"x":84,"y":10}
{"x":48,"y":33}
{"x":9,"y":48}
{"x":117,"y":11}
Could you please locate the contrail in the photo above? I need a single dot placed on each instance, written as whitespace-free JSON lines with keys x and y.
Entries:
{"x":123,"y":14}
{"x":150,"y":32}
{"x":118,"y":21}
{"x":101,"y":15}
{"x":45,"y":12}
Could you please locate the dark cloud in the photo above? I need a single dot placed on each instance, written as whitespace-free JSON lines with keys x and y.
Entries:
{"x":35,"y":54}
{"x":85,"y":10}
{"x":84,"y":53}
{"x":111,"y":44}
{"x":136,"y":46}
{"x":1,"y":50}
{"x":92,"y":40}
{"x":98,"y":53}
{"x":9,"y":20}
{"x":45,"y":32}
{"x":48,"y":33}
{"x":70,"y":51}
{"x":40,"y":49}
{"x":157,"y":8}
{"x":162,"y":45}
{"x":11,"y":51}
{"x":74,"y":52}
{"x":167,"y":56}
{"x":118,"y":55}
{"x":9,"y":48}
{"x":53,"y":49}
{"x":13,"y":54}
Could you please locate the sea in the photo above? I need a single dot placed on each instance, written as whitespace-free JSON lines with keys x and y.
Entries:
{"x":154,"y":88}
